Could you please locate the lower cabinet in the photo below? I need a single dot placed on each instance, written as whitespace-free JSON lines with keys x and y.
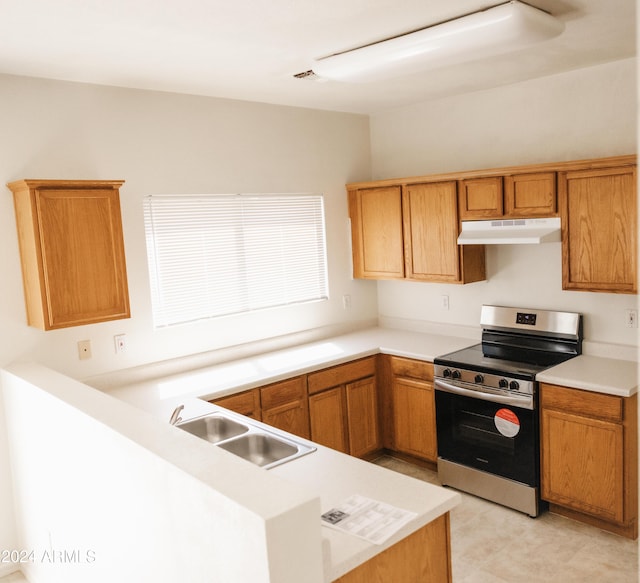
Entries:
{"x":343,"y":407}
{"x":245,"y":403}
{"x":285,"y":406}
{"x":413,"y":404}
{"x":423,"y":556}
{"x":589,"y":457}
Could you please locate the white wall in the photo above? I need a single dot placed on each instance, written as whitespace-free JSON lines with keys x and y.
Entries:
{"x":168,"y":143}
{"x":129,"y":498}
{"x":588,"y":113}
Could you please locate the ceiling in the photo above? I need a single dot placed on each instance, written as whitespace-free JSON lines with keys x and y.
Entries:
{"x":250,"y":49}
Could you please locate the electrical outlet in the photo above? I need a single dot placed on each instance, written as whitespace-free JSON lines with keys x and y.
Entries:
{"x":346,"y":301}
{"x":84,"y":349}
{"x":120,"y":342}
{"x":444,"y":302}
{"x":631,"y":318}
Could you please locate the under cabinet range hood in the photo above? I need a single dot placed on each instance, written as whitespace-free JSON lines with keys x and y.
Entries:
{"x":510,"y":232}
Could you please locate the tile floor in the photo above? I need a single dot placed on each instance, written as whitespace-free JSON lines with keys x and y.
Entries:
{"x":493,"y":544}
{"x":13,"y":578}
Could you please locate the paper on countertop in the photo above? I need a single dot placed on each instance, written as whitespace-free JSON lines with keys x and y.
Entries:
{"x":366,"y":518}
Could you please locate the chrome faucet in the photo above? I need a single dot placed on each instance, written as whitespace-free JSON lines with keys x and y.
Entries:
{"x":175,"y":416}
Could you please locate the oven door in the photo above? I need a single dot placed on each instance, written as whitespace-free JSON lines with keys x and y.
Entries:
{"x":500,"y":438}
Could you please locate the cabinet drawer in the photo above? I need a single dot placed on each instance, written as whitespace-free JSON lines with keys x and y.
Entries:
{"x":246,"y":403}
{"x":416,"y":369}
{"x":282,"y":392}
{"x":594,"y":405}
{"x":341,"y":374}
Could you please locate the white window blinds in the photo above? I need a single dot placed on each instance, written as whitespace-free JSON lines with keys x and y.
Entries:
{"x":215,"y":255}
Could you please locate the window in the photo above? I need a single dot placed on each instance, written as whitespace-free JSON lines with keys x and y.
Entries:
{"x":216,"y":255}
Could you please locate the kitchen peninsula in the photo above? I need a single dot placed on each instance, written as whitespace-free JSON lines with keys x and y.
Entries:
{"x":200,"y":508}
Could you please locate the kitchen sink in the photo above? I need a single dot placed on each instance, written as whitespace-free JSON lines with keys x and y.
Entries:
{"x":214,"y":428}
{"x":261,"y":446}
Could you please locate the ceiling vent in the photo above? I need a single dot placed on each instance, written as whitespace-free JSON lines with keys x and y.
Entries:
{"x":306,"y":75}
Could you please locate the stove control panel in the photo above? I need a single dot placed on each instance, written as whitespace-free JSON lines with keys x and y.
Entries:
{"x":484,"y":380}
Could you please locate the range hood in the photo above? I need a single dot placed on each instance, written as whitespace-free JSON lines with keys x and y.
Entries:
{"x":510,"y":232}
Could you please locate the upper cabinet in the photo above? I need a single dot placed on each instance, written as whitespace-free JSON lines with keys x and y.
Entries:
{"x":480,"y":198}
{"x":599,"y":236}
{"x":510,"y":196}
{"x":376,"y":231}
{"x":431,"y":230}
{"x":72,"y":251}
{"x":530,"y":195}
{"x":411,"y":231}
{"x":407,"y":228}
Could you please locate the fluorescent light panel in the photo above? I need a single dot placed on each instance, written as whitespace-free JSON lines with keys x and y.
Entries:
{"x":493,"y":31}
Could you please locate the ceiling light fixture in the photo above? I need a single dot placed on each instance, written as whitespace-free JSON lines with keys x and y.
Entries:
{"x":493,"y":31}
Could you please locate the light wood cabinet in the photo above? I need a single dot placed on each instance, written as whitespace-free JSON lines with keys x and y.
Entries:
{"x":480,"y":198}
{"x":376,"y":231}
{"x":343,"y":407}
{"x":599,"y":229}
{"x":245,"y":403}
{"x":328,"y":419}
{"x":589,"y":457}
{"x":411,"y":232}
{"x":431,"y":232}
{"x":424,"y":556}
{"x":531,"y":194}
{"x":284,"y":405}
{"x":72,"y":251}
{"x":362,"y":417}
{"x":413,"y":404}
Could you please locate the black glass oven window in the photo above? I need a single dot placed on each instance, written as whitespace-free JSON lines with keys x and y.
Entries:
{"x":468,"y":435}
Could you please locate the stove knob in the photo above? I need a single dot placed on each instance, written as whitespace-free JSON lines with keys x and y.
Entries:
{"x":479,"y":378}
{"x":455,"y":374}
{"x":446,"y":373}
{"x":514,"y":385}
{"x":503,"y":383}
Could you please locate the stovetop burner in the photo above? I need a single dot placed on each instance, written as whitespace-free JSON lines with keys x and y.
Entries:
{"x":472,"y":358}
{"x":519,"y":343}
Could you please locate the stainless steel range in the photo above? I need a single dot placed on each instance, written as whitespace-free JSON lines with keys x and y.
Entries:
{"x":487,"y":403}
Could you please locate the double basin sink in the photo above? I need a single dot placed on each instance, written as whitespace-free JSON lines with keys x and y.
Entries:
{"x":262,"y":447}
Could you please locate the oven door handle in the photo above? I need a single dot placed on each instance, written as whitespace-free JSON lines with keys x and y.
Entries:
{"x":525,"y":402}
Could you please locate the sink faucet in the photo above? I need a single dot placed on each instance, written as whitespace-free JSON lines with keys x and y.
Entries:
{"x":175,"y":416}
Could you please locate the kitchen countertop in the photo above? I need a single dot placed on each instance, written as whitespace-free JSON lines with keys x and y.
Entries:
{"x":335,"y":476}
{"x":217,"y":381}
{"x":591,"y":373}
{"x":594,"y":373}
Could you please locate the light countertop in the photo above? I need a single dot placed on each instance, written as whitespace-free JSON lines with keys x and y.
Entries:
{"x":591,"y":373}
{"x":594,"y":373}
{"x":334,"y":476}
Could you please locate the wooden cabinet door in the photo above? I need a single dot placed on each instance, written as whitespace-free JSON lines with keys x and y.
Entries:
{"x":376,"y":231}
{"x":362,"y":416}
{"x":246,"y":403}
{"x":71,"y":244}
{"x":530,"y":195}
{"x":431,"y":231}
{"x":582,"y":464}
{"x":414,"y":418}
{"x":327,"y":415}
{"x":285,"y":406}
{"x":599,"y":229}
{"x":480,"y":198}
